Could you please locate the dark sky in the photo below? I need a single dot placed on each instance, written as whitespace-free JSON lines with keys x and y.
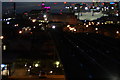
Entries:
{"x":27,"y":6}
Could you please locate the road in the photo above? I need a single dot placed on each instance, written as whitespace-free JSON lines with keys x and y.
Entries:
{"x":88,"y":56}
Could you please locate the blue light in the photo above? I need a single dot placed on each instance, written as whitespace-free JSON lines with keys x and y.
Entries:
{"x":112,"y":2}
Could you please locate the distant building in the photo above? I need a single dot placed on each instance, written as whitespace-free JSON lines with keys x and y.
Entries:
{"x":64,"y":17}
{"x":34,"y":14}
{"x":89,"y":15}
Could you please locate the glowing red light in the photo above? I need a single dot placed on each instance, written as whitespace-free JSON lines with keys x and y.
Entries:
{"x":60,"y":10}
{"x":60,"y":13}
{"x":65,"y":2}
{"x":25,"y":13}
{"x":55,"y":3}
{"x":102,"y":3}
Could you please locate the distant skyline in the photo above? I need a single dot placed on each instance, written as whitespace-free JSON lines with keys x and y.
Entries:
{"x":28,"y":6}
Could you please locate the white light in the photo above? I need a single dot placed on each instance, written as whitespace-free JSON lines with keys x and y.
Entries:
{"x":75,"y":30}
{"x":1,"y":37}
{"x":34,"y":20}
{"x":3,"y":65}
{"x":29,"y":17}
{"x":33,"y":26}
{"x":96,"y":28}
{"x":98,"y":8}
{"x":30,"y":66}
{"x":89,"y":23}
{"x":25,"y":29}
{"x":86,"y":25}
{"x":9,"y":18}
{"x":112,"y":7}
{"x":29,"y":29}
{"x":98,"y":22}
{"x":25,"y":65}
{"x":36,"y":65}
{"x":75,"y":8}
{"x":105,"y":7}
{"x":57,"y":63}
{"x":86,"y":8}
{"x":102,"y":9}
{"x":117,"y":32}
{"x":53,"y":27}
{"x":8,"y":22}
{"x":51,"y":72}
{"x":4,"y":47}
{"x":117,"y":14}
{"x":57,"y":66}
{"x":20,"y":32}
{"x":16,"y":25}
{"x":68,"y":25}
{"x":28,"y":69}
{"x":72,"y":29}
{"x":45,"y":16}
{"x":67,"y":7}
{"x":45,"y":19}
{"x":40,"y":24}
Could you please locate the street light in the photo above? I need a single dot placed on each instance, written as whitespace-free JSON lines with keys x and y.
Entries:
{"x":34,"y":20}
{"x":57,"y":63}
{"x":53,"y":27}
{"x":86,"y":25}
{"x":45,"y":16}
{"x":20,"y":32}
{"x":1,"y":37}
{"x":96,"y":29}
{"x":25,"y":65}
{"x":33,"y":26}
{"x":117,"y":32}
{"x":51,"y":72}
{"x":36,"y":65}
